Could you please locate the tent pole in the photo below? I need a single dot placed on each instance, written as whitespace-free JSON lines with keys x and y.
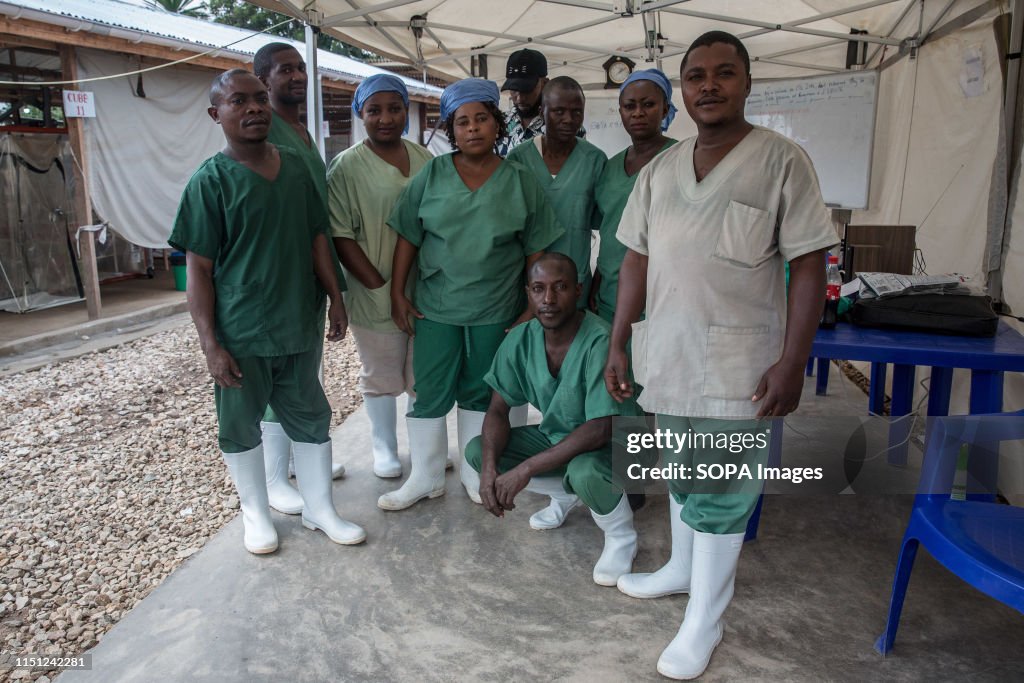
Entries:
{"x":1013,"y":80}
{"x":314,"y":110}
{"x":1011,"y":106}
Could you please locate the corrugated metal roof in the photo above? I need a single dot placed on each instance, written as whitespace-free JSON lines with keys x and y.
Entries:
{"x":201,"y":33}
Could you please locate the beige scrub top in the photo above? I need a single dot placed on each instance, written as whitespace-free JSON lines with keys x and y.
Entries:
{"x":362,"y":190}
{"x":716,"y":298}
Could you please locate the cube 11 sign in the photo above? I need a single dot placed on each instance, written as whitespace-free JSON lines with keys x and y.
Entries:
{"x":79,"y":104}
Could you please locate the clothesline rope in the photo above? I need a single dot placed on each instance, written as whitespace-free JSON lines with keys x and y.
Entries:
{"x":149,"y":68}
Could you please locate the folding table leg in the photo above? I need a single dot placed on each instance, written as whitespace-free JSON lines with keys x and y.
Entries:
{"x":774,"y":460}
{"x":902,"y":403}
{"x":982,"y":466}
{"x":876,"y":392}
{"x":821,"y":388}
{"x":939,"y":389}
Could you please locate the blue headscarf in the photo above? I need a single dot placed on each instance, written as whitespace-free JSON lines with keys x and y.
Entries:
{"x":465,"y":91}
{"x":659,"y":78}
{"x":375,"y":84}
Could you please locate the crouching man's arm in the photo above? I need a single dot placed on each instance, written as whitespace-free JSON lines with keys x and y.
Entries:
{"x":592,"y":435}
{"x":493,"y":440}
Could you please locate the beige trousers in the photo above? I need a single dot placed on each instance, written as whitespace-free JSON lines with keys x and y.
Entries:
{"x":387,"y":362}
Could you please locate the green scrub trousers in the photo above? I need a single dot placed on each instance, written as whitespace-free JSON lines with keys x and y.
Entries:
{"x":289,"y":385}
{"x":708,"y":506}
{"x":588,"y":475}
{"x":449,"y":363}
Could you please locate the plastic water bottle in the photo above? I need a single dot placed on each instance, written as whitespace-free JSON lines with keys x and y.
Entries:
{"x":833,"y":283}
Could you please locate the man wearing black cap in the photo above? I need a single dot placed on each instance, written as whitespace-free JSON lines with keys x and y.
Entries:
{"x":526,"y":72}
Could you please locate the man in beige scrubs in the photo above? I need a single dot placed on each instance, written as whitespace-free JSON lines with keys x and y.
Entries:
{"x":709,"y":228}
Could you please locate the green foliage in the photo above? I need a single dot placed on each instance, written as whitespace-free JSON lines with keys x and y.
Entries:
{"x":248,"y":16}
{"x":189,"y":8}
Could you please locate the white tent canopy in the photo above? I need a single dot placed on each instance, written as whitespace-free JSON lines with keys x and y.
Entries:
{"x":785,"y":37}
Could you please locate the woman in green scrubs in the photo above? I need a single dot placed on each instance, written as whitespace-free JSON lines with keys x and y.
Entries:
{"x":646,"y":109}
{"x":473,"y":224}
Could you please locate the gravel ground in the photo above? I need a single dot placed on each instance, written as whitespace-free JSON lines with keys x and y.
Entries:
{"x":109,"y":478}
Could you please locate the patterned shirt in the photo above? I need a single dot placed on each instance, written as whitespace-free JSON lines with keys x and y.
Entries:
{"x":518,"y":134}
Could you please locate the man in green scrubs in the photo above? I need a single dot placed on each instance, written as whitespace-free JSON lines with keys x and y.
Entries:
{"x":556,"y":362}
{"x":254,"y":230}
{"x":283,"y":71}
{"x":568,"y":168}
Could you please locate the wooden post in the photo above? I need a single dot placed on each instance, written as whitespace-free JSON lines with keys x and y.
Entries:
{"x":83,"y":200}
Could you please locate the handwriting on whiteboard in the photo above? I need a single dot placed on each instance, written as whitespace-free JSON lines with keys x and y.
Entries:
{"x":792,"y":95}
{"x":833,"y":118}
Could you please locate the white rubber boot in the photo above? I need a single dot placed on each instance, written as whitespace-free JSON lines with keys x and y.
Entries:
{"x":428,"y":448}
{"x":313,"y":474}
{"x":619,"y":543}
{"x":277,"y":451}
{"x":247,"y":473}
{"x":337,"y":469}
{"x":553,"y":516}
{"x":674,"y":576}
{"x":471,"y":424}
{"x":715,"y":557}
{"x":383,"y":417}
{"x":517,"y":416}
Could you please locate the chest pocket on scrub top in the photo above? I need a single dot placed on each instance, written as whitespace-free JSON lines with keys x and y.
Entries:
{"x":746,"y":236}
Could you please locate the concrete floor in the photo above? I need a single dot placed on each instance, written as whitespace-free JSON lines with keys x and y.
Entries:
{"x":131,"y":309}
{"x":117,"y":299}
{"x":445,"y":592}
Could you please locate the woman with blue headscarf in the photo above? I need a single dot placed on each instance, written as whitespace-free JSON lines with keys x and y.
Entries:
{"x":473,"y":224}
{"x":363,"y":184}
{"x":646,"y":109}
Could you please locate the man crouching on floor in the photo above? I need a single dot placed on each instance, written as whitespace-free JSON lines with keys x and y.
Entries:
{"x":555,"y":362}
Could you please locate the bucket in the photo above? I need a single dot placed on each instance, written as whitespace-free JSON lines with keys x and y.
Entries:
{"x":178,"y":268}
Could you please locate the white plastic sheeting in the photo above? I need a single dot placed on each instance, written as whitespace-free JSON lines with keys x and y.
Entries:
{"x":143,"y":150}
{"x":37,"y":267}
{"x":935,"y":171}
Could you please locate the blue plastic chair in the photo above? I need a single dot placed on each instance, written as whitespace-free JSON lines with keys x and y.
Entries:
{"x":980,"y":542}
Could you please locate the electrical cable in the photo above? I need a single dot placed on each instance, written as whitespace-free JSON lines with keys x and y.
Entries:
{"x":149,"y":68}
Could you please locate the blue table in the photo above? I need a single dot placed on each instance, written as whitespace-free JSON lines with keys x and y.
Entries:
{"x":986,"y":357}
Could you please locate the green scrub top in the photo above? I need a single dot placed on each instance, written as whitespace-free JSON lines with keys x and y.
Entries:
{"x":259,"y":235}
{"x":572,"y":194}
{"x":283,"y":135}
{"x":362,"y":190}
{"x":613,"y":190}
{"x":519,"y":373}
{"x":473,"y":245}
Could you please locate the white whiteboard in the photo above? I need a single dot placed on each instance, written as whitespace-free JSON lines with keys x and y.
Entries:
{"x":833,"y":119}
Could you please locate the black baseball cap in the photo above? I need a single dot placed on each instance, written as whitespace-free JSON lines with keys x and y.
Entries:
{"x":523,"y":69}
